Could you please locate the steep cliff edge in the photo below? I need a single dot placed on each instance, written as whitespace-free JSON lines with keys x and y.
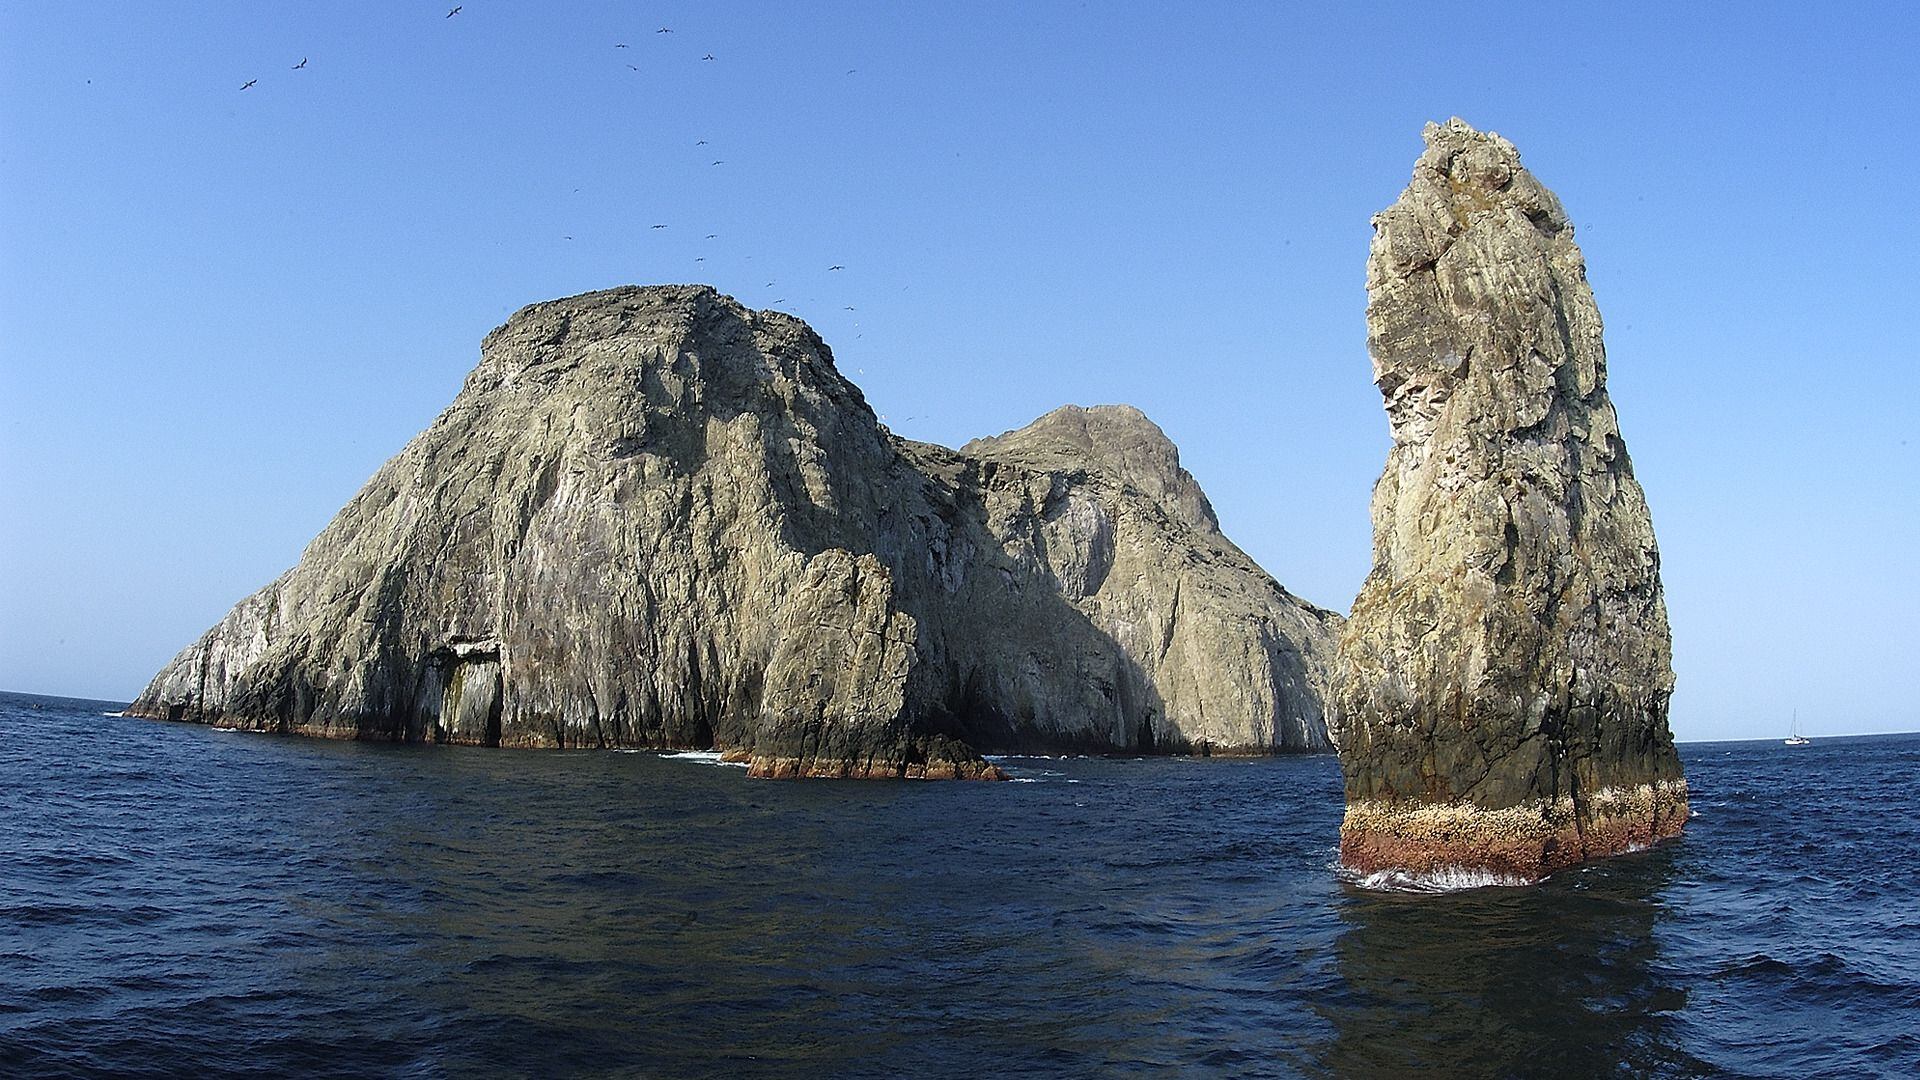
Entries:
{"x":654,"y":518}
{"x":1501,"y":686}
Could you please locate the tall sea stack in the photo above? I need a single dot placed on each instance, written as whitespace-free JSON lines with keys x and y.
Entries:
{"x":656,"y":518}
{"x":1501,"y":687}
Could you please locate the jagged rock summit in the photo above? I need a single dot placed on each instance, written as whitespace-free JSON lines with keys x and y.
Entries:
{"x":1502,"y":681}
{"x":1117,"y":439}
{"x":1501,"y":685}
{"x":655,"y":518}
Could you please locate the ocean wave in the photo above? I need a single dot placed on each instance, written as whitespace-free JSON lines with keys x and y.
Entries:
{"x":703,"y":757}
{"x":1444,"y":880}
{"x":1044,"y":776}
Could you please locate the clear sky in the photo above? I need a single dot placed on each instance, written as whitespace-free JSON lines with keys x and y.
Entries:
{"x":222,"y":309}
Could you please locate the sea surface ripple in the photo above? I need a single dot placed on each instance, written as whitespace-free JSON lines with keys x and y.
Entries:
{"x":180,"y":901}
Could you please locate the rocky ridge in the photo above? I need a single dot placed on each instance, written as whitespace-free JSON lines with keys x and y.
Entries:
{"x":1501,"y":685}
{"x":655,"y":518}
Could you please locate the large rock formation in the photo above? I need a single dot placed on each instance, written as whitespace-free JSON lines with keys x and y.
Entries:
{"x":653,"y":518}
{"x":1096,"y":502}
{"x":1502,"y":683}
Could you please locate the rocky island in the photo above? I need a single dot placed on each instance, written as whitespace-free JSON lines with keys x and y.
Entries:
{"x":1501,"y":686}
{"x":655,"y":518}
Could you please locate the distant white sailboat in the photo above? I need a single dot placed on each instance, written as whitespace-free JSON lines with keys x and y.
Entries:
{"x":1794,"y":738}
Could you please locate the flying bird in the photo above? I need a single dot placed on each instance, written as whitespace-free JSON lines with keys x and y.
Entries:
{"x":849,"y":308}
{"x":301,"y":64}
{"x":663,"y":30}
{"x":622,"y":45}
{"x":659,"y":226}
{"x":702,"y":142}
{"x":249,"y":84}
{"x":702,"y":258}
{"x":719,"y":163}
{"x":452,"y":13}
{"x":709,"y":56}
{"x":713,"y":235}
{"x":630,"y":67}
{"x":836,"y":266}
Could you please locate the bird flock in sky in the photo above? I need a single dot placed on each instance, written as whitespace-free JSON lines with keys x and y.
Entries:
{"x":717,"y":162}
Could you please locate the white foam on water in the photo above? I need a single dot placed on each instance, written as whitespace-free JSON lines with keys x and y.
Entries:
{"x":114,"y":714}
{"x":1039,"y":776}
{"x":1446,"y":879}
{"x":703,"y":757}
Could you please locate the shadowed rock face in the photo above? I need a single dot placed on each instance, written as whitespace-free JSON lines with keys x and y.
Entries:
{"x":1501,"y":686}
{"x":1093,"y":502}
{"x":654,"y":518}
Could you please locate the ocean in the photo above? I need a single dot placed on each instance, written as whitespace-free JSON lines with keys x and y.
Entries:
{"x":180,"y":901}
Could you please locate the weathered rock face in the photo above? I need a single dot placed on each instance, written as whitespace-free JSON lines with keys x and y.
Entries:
{"x":1218,"y":658}
{"x":653,"y":518}
{"x":1117,"y":440}
{"x":1501,"y":686}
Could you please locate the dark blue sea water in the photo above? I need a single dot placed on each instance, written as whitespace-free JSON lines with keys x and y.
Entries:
{"x":178,"y":901}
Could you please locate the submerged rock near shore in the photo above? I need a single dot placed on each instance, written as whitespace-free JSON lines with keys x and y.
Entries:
{"x":655,"y":518}
{"x":1502,"y":683}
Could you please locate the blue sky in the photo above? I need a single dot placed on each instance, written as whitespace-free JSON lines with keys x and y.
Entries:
{"x":221,"y":310}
